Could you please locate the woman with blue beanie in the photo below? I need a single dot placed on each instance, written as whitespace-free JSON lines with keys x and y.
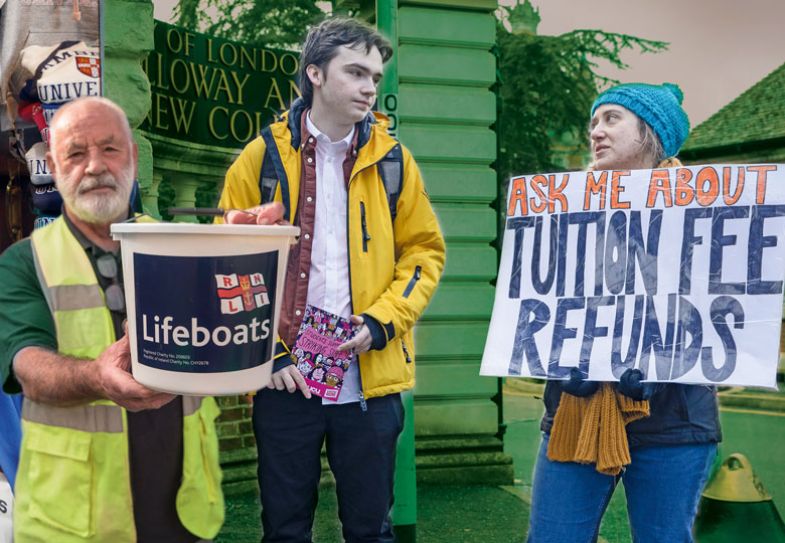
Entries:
{"x":659,"y":440}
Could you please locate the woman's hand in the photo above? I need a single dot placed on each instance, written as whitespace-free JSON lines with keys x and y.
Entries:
{"x":631,"y":386}
{"x":578,"y":386}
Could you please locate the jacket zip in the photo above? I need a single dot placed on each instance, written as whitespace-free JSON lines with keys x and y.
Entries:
{"x":406,"y":352}
{"x":366,"y":237}
{"x":413,"y":281}
{"x":363,"y":404}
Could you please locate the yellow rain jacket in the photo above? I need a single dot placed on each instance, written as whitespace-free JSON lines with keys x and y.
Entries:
{"x":393,"y":278}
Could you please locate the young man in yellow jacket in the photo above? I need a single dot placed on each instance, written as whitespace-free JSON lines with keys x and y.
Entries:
{"x":103,"y":458}
{"x":371,"y":250}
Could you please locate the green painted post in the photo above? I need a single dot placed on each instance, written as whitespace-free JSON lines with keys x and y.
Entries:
{"x":444,"y":110}
{"x":387,"y":23}
{"x":446,"y":113}
{"x":405,"y":509}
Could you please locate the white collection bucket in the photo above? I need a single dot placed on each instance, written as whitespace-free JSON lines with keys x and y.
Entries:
{"x":203,"y":303}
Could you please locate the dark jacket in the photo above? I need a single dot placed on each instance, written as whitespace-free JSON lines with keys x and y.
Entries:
{"x":680,"y":415}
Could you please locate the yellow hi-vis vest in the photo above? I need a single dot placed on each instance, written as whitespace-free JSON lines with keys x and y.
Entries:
{"x":73,"y":482}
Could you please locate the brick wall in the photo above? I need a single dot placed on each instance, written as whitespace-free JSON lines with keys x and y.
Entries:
{"x":237,"y":445}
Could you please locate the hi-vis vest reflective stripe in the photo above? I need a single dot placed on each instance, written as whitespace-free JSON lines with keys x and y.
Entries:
{"x":73,"y":483}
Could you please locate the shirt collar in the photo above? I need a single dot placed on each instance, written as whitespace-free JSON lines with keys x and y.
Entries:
{"x":324,"y":141}
{"x":86,"y":244}
{"x":81,"y":238}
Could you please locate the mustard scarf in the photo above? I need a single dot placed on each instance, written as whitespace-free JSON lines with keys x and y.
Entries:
{"x":592,"y":430}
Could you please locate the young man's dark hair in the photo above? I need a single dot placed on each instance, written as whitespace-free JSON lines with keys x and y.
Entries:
{"x":322,"y":43}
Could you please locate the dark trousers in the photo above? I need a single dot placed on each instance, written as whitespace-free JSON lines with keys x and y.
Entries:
{"x":290,"y":431}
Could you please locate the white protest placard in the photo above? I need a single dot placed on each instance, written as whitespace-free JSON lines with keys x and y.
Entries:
{"x":677,"y":272}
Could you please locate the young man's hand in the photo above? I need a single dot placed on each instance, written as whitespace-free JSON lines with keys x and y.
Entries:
{"x":289,"y":378}
{"x":361,"y":342}
{"x":271,"y":213}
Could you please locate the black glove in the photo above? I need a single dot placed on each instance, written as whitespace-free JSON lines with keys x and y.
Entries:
{"x":577,"y":386}
{"x":630,"y":385}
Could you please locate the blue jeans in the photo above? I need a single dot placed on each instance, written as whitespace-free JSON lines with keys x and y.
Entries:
{"x":290,"y":431}
{"x":662,"y":484}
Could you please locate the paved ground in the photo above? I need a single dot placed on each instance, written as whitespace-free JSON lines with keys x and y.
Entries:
{"x":489,"y":514}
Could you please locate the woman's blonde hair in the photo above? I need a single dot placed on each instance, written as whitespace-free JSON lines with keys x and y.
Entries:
{"x":651,"y":145}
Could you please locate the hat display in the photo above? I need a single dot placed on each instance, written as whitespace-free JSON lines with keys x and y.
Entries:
{"x":37,"y":165}
{"x":48,"y":111}
{"x":57,"y":73}
{"x":40,"y":23}
{"x":69,"y":74}
{"x":43,"y":220}
{"x":47,"y":199}
{"x":47,"y":48}
{"x":48,"y":77}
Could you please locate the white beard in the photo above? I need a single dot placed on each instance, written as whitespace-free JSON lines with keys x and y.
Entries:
{"x":98,"y":208}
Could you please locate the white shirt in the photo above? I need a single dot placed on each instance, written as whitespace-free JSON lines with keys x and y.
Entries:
{"x":328,"y":283}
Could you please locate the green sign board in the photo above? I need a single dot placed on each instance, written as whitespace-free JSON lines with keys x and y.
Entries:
{"x":213,"y":91}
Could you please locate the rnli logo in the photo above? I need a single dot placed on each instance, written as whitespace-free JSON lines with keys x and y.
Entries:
{"x":239,"y":293}
{"x":89,"y":66}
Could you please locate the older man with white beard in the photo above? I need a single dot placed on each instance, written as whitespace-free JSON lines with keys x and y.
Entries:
{"x":103,"y":458}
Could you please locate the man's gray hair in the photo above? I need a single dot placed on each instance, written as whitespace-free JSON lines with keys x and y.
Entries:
{"x":86,"y":101}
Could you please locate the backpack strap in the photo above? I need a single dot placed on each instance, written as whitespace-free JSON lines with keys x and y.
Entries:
{"x":273,"y":173}
{"x":268,"y":179}
{"x":390,"y":169}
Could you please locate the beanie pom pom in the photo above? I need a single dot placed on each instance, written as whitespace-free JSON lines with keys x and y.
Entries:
{"x":675,"y":90}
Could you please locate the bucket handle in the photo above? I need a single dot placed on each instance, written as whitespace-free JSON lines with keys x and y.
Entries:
{"x":203,"y":211}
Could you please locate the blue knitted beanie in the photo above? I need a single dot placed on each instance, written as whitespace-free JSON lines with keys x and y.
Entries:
{"x":658,"y":105}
